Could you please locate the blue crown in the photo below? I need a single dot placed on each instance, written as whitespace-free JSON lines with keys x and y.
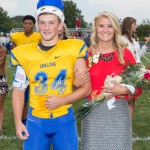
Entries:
{"x":56,"y":3}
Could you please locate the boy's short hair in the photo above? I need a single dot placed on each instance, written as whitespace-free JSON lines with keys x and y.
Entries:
{"x":29,"y":17}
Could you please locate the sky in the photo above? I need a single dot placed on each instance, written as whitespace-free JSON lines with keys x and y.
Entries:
{"x":139,"y":9}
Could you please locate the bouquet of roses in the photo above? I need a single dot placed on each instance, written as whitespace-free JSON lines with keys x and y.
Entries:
{"x":135,"y":75}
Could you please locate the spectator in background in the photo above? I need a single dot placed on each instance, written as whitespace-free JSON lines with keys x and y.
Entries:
{"x":80,"y":34}
{"x":147,"y":39}
{"x":72,"y":35}
{"x":3,"y":85}
{"x":63,"y":33}
{"x":128,"y":28}
{"x":8,"y":43}
{"x":87,"y":39}
{"x":2,"y":39}
{"x":28,"y":36}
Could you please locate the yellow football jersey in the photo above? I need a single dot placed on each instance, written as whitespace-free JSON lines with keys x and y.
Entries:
{"x":49,"y":72}
{"x":19,"y":38}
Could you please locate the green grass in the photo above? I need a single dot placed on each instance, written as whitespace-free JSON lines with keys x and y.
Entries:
{"x":141,"y":120}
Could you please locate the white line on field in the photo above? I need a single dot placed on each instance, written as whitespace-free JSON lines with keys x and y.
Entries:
{"x":146,"y":58}
{"x":135,"y":139}
{"x":15,"y":137}
{"x":4,"y":137}
{"x":141,"y":139}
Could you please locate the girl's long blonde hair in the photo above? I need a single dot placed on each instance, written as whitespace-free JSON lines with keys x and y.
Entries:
{"x":120,"y":45}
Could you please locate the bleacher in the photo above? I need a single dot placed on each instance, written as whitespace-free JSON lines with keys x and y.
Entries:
{"x":20,"y":30}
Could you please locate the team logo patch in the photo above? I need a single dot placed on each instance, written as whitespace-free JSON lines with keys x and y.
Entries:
{"x":20,"y":76}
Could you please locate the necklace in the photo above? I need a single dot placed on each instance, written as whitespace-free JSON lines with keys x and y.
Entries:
{"x":96,"y":57}
{"x":106,"y":58}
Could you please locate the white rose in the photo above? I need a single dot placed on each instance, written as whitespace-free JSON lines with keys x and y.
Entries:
{"x":95,"y":58}
{"x":118,"y":79}
{"x":108,"y":81}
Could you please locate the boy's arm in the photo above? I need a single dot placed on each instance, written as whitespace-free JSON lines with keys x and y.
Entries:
{"x":83,"y":91}
{"x":17,"y":106}
{"x":19,"y":86}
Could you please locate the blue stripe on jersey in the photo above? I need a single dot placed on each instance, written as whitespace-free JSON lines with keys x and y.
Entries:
{"x":86,"y":55}
{"x":82,"y":48}
{"x":12,"y":55}
{"x":11,"y":64}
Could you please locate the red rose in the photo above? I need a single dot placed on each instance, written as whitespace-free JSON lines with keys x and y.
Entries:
{"x":147,"y":75}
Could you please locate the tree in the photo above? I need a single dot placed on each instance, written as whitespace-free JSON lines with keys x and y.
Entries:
{"x":143,"y":29}
{"x":17,"y":21}
{"x":5,"y":21}
{"x":146,"y":21}
{"x":71,"y":13}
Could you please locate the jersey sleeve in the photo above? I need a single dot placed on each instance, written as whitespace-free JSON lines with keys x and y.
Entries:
{"x":13,"y":37}
{"x":20,"y":78}
{"x":13,"y":60}
{"x":83,"y":53}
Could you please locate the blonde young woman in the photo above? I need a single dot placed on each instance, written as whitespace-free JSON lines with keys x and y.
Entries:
{"x":108,"y":128}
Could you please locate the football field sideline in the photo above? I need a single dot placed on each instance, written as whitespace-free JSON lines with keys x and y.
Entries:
{"x":4,"y":137}
{"x":146,"y":58}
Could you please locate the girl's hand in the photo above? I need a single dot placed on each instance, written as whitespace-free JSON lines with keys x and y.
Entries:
{"x":147,"y":39}
{"x":81,"y":78}
{"x":114,"y":90}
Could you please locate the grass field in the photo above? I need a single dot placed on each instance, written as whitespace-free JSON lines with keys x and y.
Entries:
{"x":141,"y":120}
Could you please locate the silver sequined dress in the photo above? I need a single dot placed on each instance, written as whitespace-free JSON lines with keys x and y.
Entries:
{"x":105,"y":129}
